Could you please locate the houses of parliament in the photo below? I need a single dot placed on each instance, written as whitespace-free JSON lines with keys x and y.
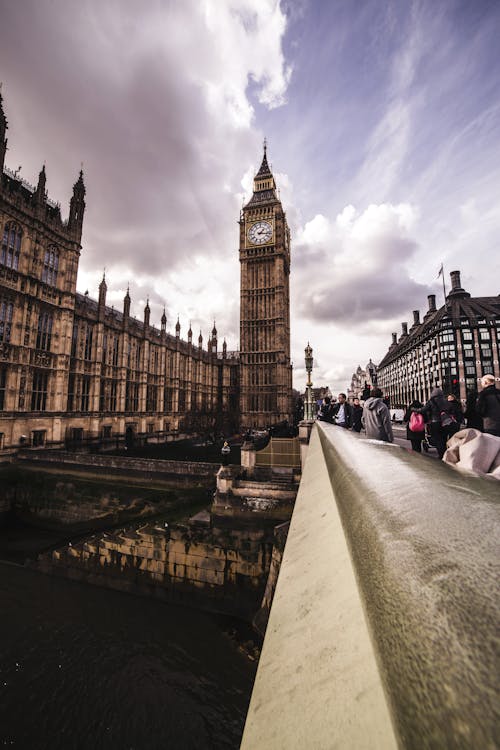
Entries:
{"x":73,"y":370}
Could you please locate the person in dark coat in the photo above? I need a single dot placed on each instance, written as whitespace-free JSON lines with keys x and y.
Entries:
{"x":415,"y":438}
{"x":456,"y":412}
{"x":357,"y":413}
{"x":432,"y":414}
{"x":488,"y":406}
{"x":342,"y":412}
{"x":474,"y":419}
{"x":325,"y":410}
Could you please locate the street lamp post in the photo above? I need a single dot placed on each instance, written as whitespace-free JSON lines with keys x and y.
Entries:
{"x":308,"y":412}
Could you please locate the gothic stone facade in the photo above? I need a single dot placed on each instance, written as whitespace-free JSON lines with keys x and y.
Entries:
{"x":74,"y":370}
{"x":450,"y":348}
{"x":266,"y":371}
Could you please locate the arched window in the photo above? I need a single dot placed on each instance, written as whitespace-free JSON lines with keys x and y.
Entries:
{"x":44,"y":333}
{"x":11,"y":246}
{"x":50,"y":266}
{"x":6,"y":308}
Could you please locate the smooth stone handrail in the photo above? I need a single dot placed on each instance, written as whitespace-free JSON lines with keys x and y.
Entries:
{"x":384,"y":626}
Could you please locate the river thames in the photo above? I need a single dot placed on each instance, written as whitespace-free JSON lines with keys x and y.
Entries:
{"x":86,"y":668}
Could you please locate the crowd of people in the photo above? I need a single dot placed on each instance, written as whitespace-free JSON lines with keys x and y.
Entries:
{"x":435,"y":421}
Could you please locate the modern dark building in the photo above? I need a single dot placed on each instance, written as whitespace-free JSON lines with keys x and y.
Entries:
{"x":452,"y":347}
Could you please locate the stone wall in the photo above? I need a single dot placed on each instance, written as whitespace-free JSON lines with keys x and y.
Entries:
{"x":223,"y":570}
{"x":143,"y":469}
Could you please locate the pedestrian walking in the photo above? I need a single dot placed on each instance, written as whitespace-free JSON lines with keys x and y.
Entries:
{"x":437,"y":413}
{"x":488,"y":405}
{"x":325,"y":410}
{"x":357,"y":415}
{"x":415,"y":428}
{"x":474,"y":419}
{"x":342,"y":412}
{"x":225,"y":453}
{"x":377,"y":418}
{"x":456,"y":412}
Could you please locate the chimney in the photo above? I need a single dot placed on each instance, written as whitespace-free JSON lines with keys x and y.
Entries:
{"x":404,"y":327}
{"x":432,"y":302}
{"x":455,"y":280}
{"x":416,"y":317}
{"x":456,"y":287}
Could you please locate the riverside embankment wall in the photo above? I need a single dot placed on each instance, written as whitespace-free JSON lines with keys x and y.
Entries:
{"x":223,"y":570}
{"x":138,"y":469}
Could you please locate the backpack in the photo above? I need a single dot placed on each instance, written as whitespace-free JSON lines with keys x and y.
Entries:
{"x":416,"y":423}
{"x":447,"y":419}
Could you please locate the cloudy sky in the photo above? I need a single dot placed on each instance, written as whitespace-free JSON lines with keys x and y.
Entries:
{"x":383,"y":127}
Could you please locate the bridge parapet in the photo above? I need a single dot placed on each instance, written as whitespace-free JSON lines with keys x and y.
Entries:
{"x":385,"y":617}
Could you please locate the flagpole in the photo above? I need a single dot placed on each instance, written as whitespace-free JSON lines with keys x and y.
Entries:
{"x":441,"y":273}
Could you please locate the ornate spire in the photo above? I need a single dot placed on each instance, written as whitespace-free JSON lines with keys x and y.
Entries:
{"x":102,"y":290}
{"x":190,"y":334}
{"x":126,"y":303}
{"x":77,"y":205}
{"x":163,"y":319}
{"x":264,"y":186}
{"x":147,"y":313}
{"x":40,"y":188}
{"x":3,"y":130}
{"x":264,"y":170}
{"x":177,"y":328}
{"x":200,"y":340}
{"x":214,"y":331}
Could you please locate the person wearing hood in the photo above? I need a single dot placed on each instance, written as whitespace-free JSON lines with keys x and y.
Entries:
{"x":377,"y":418}
{"x":415,"y":438}
{"x":433,"y":414}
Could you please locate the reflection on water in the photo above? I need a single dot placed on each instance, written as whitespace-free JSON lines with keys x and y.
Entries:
{"x":87,"y":668}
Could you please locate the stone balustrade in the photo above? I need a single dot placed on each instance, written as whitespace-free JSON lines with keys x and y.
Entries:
{"x":383,"y":626}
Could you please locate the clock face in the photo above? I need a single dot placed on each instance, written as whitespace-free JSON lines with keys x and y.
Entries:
{"x":260,"y":232}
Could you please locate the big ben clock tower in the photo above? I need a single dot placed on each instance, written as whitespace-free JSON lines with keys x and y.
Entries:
{"x":266,"y":371}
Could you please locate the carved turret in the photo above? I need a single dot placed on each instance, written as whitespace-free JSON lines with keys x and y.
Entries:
{"x":102,"y":293}
{"x":177,"y":329}
{"x":214,"y":340}
{"x":164,"y":322}
{"x":190,"y":334}
{"x":200,"y":341}
{"x":77,"y":207}
{"x":41,"y":193}
{"x":3,"y":130}
{"x":224,"y":349}
{"x":147,"y":314}
{"x":126,"y":304}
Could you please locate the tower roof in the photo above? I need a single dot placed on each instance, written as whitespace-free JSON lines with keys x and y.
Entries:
{"x":264,"y":186}
{"x":264,"y":170}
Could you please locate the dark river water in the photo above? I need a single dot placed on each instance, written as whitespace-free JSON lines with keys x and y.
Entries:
{"x":87,"y":668}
